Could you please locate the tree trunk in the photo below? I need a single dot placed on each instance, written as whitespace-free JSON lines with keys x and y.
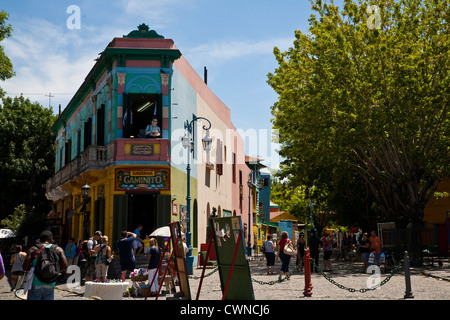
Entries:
{"x":413,"y":245}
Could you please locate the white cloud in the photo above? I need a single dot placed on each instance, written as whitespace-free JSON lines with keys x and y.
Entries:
{"x":222,"y":51}
{"x":156,"y":13}
{"x":48,"y":58}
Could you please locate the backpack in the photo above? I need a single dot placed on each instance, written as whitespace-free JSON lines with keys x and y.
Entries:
{"x":84,"y":249}
{"x":47,"y":265}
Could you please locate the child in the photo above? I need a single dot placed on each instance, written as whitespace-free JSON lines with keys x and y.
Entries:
{"x":146,"y":244}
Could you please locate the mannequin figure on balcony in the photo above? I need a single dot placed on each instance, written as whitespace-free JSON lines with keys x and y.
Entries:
{"x":152,"y":130}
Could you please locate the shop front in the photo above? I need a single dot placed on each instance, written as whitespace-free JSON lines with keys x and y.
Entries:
{"x":141,"y":196}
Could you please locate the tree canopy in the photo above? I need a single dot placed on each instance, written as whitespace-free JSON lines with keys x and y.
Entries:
{"x":6,"y":67}
{"x":26,"y":154}
{"x":26,"y":151}
{"x":363,"y":105}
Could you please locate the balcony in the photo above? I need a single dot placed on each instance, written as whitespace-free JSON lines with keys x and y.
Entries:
{"x":96,"y":158}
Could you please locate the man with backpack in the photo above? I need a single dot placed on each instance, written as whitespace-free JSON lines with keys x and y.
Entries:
{"x":91,"y":255}
{"x":46,"y":261}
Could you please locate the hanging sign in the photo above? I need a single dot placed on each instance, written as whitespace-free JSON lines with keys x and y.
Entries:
{"x":142,"y":179}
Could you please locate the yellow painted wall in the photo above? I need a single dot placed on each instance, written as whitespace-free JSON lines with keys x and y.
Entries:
{"x":436,"y":210}
{"x":107,"y":178}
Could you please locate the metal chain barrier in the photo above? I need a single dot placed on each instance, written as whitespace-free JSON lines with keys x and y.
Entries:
{"x":206,"y":275}
{"x":362,"y":290}
{"x":297,"y":267}
{"x":254,"y":280}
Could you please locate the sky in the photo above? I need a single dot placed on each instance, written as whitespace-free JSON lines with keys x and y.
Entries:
{"x":52,"y":51}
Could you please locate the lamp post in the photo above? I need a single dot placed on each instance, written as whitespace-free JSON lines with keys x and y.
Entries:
{"x":250,"y":184}
{"x":311,"y":204}
{"x":85,"y":194}
{"x":259,"y":183}
{"x":188,"y":143}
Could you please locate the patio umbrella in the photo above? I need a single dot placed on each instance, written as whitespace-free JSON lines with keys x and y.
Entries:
{"x":162,"y":232}
{"x":6,"y":233}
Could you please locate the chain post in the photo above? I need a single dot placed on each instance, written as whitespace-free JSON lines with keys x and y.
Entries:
{"x":408,"y":292}
{"x":307,"y":267}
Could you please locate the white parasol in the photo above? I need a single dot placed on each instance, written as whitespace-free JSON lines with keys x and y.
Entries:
{"x":161,"y":232}
{"x":6,"y":233}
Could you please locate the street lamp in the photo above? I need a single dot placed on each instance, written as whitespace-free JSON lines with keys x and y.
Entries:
{"x":85,"y":191}
{"x":311,"y":204}
{"x":85,"y":194}
{"x":188,"y":143}
{"x":250,"y":184}
{"x":259,"y":183}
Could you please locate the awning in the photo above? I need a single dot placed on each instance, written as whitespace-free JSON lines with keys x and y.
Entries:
{"x":270,"y":224}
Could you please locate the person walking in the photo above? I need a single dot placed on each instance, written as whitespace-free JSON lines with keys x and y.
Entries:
{"x":41,"y":290}
{"x":17,"y":260}
{"x":364,"y":251}
{"x":154,"y":256}
{"x":285,"y":258}
{"x":103,"y":252}
{"x":327,"y":243}
{"x":314,"y":244}
{"x":269,"y":252}
{"x":125,"y":246}
{"x":301,"y":245}
{"x":70,"y":251}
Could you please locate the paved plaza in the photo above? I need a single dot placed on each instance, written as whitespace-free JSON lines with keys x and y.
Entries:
{"x":345,"y":282}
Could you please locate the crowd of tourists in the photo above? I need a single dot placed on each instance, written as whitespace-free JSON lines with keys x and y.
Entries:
{"x":368,"y":247}
{"x":45,"y":263}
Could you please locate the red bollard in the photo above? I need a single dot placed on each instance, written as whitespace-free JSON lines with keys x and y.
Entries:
{"x":307,"y":265}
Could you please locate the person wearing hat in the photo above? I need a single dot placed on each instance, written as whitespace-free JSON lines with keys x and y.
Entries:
{"x":91,"y":244}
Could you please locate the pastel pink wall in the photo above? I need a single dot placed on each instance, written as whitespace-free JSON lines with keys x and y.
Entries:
{"x":223,"y":112}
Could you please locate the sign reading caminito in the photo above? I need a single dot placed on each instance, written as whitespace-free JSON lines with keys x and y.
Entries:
{"x":148,"y":179}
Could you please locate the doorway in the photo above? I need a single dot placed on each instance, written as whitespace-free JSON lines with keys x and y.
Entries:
{"x":142,"y":209}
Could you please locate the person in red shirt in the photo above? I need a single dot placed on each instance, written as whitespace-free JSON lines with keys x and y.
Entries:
{"x":375,"y":246}
{"x":285,"y":259}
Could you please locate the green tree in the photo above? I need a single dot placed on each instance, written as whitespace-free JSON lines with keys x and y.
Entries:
{"x":358,"y":97}
{"x":6,"y":67}
{"x":26,"y":154}
{"x":25,"y":223}
{"x":292,"y":200}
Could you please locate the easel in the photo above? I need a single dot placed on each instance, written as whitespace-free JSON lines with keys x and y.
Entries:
{"x":178,"y":269}
{"x":231,"y":268}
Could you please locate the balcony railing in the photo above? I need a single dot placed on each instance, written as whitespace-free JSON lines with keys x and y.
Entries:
{"x":101,"y":157}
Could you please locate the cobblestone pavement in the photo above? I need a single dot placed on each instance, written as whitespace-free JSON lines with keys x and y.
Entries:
{"x":427,"y":283}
